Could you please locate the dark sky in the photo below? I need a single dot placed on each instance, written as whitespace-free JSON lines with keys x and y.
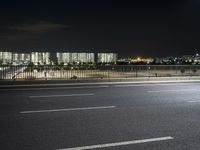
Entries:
{"x":138,"y":28}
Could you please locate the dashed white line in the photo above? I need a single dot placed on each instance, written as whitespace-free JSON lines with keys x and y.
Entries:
{"x":69,"y":109}
{"x":120,"y":143}
{"x":69,"y":95}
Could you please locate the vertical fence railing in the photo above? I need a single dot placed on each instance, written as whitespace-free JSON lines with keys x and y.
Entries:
{"x":101,"y":71}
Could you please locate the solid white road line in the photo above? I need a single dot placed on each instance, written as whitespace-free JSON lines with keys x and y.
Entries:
{"x":196,"y":101}
{"x":70,"y":109}
{"x":184,"y":80}
{"x":147,"y":84}
{"x":120,"y":143}
{"x":155,"y":84}
{"x":53,"y":88}
{"x":98,"y":85}
{"x":179,"y":90}
{"x":69,"y":95}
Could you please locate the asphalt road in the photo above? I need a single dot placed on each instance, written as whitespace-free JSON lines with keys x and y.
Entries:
{"x":110,"y":117}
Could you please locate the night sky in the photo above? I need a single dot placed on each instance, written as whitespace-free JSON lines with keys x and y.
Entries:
{"x":138,"y":28}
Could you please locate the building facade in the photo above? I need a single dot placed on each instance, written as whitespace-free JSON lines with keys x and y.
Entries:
{"x":107,"y":57}
{"x":40,"y":58}
{"x":5,"y":57}
{"x":45,"y":58}
{"x":75,"y":58}
{"x":21,"y":58}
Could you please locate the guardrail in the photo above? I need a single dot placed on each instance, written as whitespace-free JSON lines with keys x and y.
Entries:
{"x":25,"y":72}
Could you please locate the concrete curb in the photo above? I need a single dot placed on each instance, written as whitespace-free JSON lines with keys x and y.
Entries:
{"x":139,"y":80}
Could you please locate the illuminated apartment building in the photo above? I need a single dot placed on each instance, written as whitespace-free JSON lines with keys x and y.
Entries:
{"x":6,"y":57}
{"x":75,"y":57}
{"x":40,"y":58}
{"x":21,"y":58}
{"x":106,"y":57}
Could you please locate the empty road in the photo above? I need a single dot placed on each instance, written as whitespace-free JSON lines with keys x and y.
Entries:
{"x":107,"y":117}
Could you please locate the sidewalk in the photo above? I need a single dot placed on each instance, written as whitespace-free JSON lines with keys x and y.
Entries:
{"x":72,"y":82}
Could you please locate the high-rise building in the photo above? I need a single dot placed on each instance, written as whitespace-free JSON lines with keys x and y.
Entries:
{"x":85,"y":57}
{"x":40,"y":57}
{"x":75,"y":57}
{"x":63,"y":57}
{"x":107,"y":57}
{"x":6,"y":57}
{"x":21,"y":57}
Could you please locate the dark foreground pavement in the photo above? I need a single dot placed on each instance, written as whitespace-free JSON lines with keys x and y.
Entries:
{"x":126,"y":117}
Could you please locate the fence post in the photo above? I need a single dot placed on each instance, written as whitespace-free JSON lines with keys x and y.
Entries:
{"x":136,"y":70}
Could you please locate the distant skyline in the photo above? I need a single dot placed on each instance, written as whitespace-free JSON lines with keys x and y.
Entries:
{"x":140,"y":28}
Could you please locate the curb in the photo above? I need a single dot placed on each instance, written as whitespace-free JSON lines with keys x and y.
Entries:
{"x":46,"y":83}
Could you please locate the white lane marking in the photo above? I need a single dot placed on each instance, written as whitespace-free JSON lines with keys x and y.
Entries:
{"x":156,"y":84}
{"x":100,"y":85}
{"x":69,"y":109}
{"x":69,"y":95}
{"x":179,"y":90}
{"x":150,"y":84}
{"x":196,"y":101}
{"x":147,"y":81}
{"x":54,"y":88}
{"x":120,"y":84}
{"x":120,"y":143}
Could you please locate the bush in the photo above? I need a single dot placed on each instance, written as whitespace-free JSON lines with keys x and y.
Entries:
{"x":74,"y":77}
{"x":194,"y":70}
{"x":182,"y":70}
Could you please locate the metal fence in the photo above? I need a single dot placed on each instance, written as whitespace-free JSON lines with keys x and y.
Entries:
{"x":94,"y":72}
